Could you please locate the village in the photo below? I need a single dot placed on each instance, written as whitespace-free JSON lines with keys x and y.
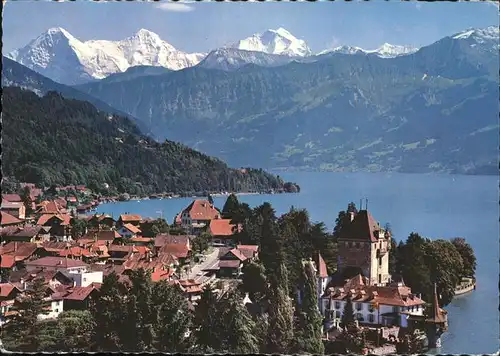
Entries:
{"x":73,"y":253}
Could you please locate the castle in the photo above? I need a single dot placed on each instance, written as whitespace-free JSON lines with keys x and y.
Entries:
{"x":363,"y":277}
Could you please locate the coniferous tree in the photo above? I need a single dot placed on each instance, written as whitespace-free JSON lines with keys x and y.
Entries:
{"x":254,"y":281}
{"x":280,"y":332}
{"x":348,"y":318}
{"x":310,"y":320}
{"x":231,"y":206}
{"x":24,"y":332}
{"x":208,"y":324}
{"x":171,"y":318}
{"x":238,"y":326}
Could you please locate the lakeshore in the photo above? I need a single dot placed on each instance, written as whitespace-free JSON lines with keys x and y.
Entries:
{"x":434,"y":212}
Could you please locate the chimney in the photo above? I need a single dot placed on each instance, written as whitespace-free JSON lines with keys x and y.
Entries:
{"x":15,"y":246}
{"x":74,"y":283}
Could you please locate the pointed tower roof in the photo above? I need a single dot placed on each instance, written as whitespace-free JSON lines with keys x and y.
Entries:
{"x":436,"y":314}
{"x":322,"y":271}
{"x":362,"y":227}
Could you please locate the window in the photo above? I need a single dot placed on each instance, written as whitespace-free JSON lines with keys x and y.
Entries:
{"x":337,"y":314}
{"x":380,"y":261}
{"x":359,"y":317}
{"x":371,"y":308}
{"x":337,"y":305}
{"x":371,"y":318}
{"x":357,"y":245}
{"x":395,"y":309}
{"x":57,"y":310}
{"x":359,"y":306}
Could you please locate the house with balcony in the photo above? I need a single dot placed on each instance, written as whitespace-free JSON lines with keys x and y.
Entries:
{"x":197,"y":216}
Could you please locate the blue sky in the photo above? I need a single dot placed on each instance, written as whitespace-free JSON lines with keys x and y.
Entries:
{"x":202,"y":26}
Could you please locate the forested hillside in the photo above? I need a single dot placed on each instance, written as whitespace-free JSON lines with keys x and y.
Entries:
{"x":52,"y":140}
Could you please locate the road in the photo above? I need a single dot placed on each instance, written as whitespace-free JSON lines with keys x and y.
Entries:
{"x":210,"y":260}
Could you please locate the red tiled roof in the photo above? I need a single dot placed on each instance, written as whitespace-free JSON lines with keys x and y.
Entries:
{"x":141,"y":239}
{"x":166,"y":239}
{"x":238,"y":254}
{"x":80,"y":293}
{"x":21,"y":250}
{"x":221,"y":227}
{"x":8,"y":219}
{"x":123,"y":248}
{"x":50,"y":207}
{"x":132,"y":228}
{"x":7,"y":261}
{"x":201,"y":209}
{"x":29,"y":231}
{"x":160,"y":274}
{"x":362,"y":227}
{"x":229,"y":263}
{"x":323,"y":273}
{"x":107,"y":235}
{"x":56,"y":262}
{"x":127,"y":217}
{"x":176,"y":250}
{"x":64,"y":218}
{"x":6,"y":289}
{"x":253,"y":248}
{"x":386,"y":295}
{"x":12,"y":197}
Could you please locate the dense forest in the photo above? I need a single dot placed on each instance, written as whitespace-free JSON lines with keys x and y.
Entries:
{"x":51,"y":140}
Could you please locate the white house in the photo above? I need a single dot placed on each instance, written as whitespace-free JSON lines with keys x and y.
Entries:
{"x":198,"y":215}
{"x":375,"y":305}
{"x":129,"y":231}
{"x":54,"y":308}
{"x":84,"y":278}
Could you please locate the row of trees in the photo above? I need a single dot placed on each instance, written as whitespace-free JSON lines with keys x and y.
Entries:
{"x":422,"y":262}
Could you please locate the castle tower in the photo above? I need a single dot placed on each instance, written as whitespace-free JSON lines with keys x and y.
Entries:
{"x":364,"y":245}
{"x":436,"y":322}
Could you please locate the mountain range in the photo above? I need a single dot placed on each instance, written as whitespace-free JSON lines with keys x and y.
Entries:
{"x":63,"y":58}
{"x":430,"y":110}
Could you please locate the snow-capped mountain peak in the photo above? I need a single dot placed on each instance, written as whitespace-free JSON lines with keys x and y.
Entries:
{"x":279,"y":41}
{"x":388,"y":50}
{"x":488,"y":33}
{"x":63,"y":58}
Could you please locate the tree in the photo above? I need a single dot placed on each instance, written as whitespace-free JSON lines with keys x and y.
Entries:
{"x":110,"y":314}
{"x":200,"y":243}
{"x":446,"y":267}
{"x":210,"y":199}
{"x":343,"y":217}
{"x":238,"y":325}
{"x":171,"y":318}
{"x":74,"y":331}
{"x":254,"y":281}
{"x":231,"y":206}
{"x":78,"y":228}
{"x":280,"y":334}
{"x":310,"y":324}
{"x":348,"y":318}
{"x":468,"y":258}
{"x":393,"y":257}
{"x":412,"y":265}
{"x":26,"y":199}
{"x":23,"y":332}
{"x":208,"y":324}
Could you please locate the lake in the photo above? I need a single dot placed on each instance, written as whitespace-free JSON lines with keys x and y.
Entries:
{"x":436,"y":206}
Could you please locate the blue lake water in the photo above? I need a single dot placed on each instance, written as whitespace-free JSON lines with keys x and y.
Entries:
{"x":436,"y":206}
